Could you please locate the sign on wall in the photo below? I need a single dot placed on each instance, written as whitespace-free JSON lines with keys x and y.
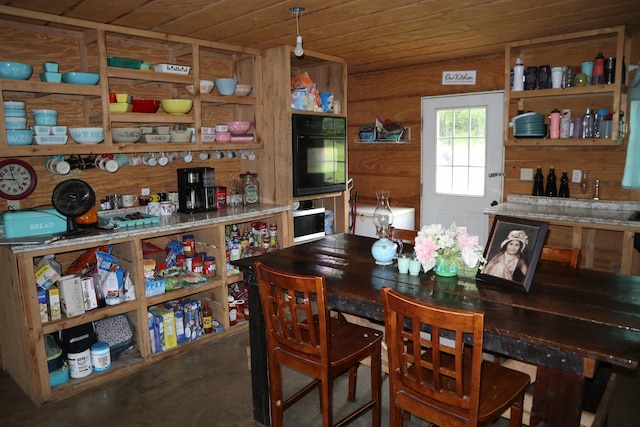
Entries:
{"x":459,"y":77}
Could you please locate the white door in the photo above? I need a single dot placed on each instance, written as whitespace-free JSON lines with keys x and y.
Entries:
{"x":462,"y":159}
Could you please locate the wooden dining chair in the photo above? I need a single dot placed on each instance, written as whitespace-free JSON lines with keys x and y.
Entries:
{"x":441,"y":376}
{"x":403,"y":235}
{"x":570,"y":256}
{"x":303,"y":335}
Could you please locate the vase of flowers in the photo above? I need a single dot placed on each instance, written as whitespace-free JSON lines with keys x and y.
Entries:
{"x":449,"y":251}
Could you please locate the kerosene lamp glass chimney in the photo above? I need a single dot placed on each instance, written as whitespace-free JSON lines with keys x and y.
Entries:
{"x":382,"y":215}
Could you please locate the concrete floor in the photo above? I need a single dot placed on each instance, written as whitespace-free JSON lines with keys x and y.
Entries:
{"x":211,"y":386}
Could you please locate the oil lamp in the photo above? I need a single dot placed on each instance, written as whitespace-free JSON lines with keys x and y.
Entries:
{"x":383,"y":250}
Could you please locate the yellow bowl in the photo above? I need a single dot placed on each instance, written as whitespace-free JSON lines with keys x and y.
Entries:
{"x":120,"y":107}
{"x":176,"y":106}
{"x":123,"y":97}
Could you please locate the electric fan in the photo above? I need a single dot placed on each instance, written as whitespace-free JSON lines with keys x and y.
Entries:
{"x":72,"y":198}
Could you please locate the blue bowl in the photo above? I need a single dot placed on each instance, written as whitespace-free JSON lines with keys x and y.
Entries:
{"x":15,"y":112}
{"x":15,"y":70}
{"x":79,"y":78}
{"x":19,"y":136}
{"x":51,"y":77}
{"x":226,"y":86}
{"x":45,"y":117}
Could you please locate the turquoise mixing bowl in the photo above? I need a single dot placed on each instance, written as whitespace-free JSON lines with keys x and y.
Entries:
{"x":15,"y":70}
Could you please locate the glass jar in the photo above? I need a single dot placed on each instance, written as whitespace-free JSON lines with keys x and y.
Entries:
{"x":251,"y":188}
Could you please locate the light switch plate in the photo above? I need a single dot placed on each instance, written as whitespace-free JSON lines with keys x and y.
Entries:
{"x":576,"y":175}
{"x":13,"y":204}
{"x":145,"y":192}
{"x":526,"y":174}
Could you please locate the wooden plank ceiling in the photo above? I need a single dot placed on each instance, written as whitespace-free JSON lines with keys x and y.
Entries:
{"x":370,"y":34}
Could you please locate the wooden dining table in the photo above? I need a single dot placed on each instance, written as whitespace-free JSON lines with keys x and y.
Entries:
{"x":570,"y":321}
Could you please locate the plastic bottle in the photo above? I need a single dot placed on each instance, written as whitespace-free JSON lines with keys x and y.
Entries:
{"x":538,"y":183}
{"x":587,"y":124}
{"x":564,"y":185}
{"x":598,"y":122}
{"x":552,"y":189}
{"x":518,"y":76}
{"x":207,"y":318}
{"x":554,"y":121}
{"x":233,"y":311}
{"x":598,"y":70}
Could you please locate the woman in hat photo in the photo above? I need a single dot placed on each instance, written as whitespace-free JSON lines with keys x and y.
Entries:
{"x":509,"y":262}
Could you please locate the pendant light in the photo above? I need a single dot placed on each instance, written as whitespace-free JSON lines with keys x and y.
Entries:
{"x":298,"y":51}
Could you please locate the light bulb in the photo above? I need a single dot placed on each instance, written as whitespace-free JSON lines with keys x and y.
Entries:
{"x":298,"y":51}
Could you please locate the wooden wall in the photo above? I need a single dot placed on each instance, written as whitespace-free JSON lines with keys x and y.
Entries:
{"x":396,"y":94}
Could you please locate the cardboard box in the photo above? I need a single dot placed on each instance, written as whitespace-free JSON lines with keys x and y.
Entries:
{"x":54,"y":303}
{"x":89,"y":293}
{"x":71,"y":295}
{"x":46,"y":275}
{"x":42,"y":302}
{"x":166,"y":327}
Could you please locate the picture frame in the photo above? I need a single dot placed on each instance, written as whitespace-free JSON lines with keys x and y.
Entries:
{"x":512,"y":251}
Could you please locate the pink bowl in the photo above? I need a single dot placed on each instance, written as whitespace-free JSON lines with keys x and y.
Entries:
{"x":238,"y":128}
{"x":145,"y":105}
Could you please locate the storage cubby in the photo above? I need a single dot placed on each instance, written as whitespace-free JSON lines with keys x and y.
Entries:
{"x":572,"y":50}
{"x":23,"y":350}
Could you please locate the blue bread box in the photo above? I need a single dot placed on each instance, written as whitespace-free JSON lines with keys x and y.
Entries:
{"x":33,"y":223}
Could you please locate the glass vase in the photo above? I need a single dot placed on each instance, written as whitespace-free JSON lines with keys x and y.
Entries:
{"x":445,"y":267}
{"x":382,"y":215}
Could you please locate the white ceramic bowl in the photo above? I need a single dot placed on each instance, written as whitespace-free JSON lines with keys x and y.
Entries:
{"x":180,"y":135}
{"x":42,"y":130}
{"x":243,"y":90}
{"x":87,"y":135}
{"x":58,"y":130}
{"x":126,"y":135}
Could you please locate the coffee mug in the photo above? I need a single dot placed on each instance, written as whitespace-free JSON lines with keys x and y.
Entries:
{"x":122,"y":160}
{"x":58,"y":166}
{"x":135,"y":160}
{"x":167,"y":208}
{"x":153,"y":208}
{"x":173,"y":196}
{"x":143,"y":200}
{"x":204,"y":155}
{"x":154,"y":197}
{"x":187,"y":156}
{"x":163,"y":196}
{"x":129,"y":200}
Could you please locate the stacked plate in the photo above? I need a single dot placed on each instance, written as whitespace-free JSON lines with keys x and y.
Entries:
{"x":529,"y":125}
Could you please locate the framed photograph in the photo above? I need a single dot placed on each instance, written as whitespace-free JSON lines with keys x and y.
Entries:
{"x":512,"y":251}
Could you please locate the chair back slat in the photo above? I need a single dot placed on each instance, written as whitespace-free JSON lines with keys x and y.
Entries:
{"x":436,"y":352}
{"x":570,"y":256}
{"x":403,"y":235}
{"x":294,"y":308}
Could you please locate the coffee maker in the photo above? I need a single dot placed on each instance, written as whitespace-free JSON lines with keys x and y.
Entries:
{"x":196,"y":190}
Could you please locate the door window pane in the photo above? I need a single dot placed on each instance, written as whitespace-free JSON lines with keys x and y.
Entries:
{"x":461,"y":148}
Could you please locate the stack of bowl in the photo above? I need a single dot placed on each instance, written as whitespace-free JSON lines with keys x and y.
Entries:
{"x":50,"y":73}
{"x":15,"y":118}
{"x":529,"y":125}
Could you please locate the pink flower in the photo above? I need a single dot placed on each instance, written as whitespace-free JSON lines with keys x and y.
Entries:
{"x":426,"y":251}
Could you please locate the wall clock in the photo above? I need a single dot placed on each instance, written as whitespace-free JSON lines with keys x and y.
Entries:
{"x":17,"y":179}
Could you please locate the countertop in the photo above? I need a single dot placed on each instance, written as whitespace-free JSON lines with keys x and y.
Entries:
{"x":602,"y":212}
{"x":170,"y":223}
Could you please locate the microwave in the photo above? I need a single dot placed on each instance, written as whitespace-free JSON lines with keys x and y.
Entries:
{"x":308,"y":224}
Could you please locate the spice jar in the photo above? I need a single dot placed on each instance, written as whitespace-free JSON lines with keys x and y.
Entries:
{"x":251,"y":188}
